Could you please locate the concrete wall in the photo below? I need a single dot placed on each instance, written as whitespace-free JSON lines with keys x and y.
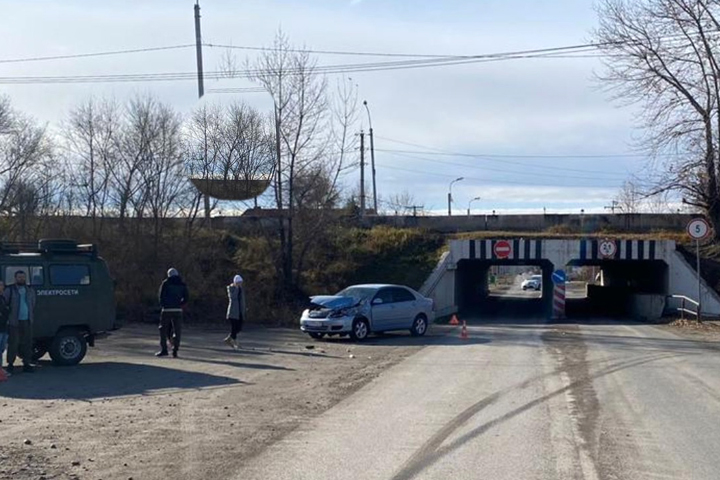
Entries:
{"x":537,"y":223}
{"x":681,"y":278}
{"x":683,"y":281}
{"x":647,"y":307}
{"x":440,"y":286}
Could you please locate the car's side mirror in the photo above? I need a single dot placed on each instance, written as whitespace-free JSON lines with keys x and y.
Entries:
{"x":377,"y":301}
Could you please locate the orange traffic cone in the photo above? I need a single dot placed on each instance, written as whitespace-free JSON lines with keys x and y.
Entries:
{"x":454,"y":320}
{"x":464,"y":332}
{"x":3,"y":375}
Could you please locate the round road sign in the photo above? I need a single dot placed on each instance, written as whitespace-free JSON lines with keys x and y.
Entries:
{"x":607,"y":248}
{"x":698,"y":228}
{"x":502,"y":249}
{"x":559,"y":277}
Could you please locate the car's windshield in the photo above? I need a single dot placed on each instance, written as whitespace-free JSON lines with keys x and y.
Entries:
{"x":358,"y":293}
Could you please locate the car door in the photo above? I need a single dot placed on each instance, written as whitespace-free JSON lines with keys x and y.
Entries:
{"x":383,"y":310}
{"x":406,"y":307}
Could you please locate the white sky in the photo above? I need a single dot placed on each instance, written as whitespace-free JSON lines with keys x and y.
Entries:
{"x":521,"y":107}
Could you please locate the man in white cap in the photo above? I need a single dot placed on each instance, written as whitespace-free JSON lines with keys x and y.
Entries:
{"x":235,"y":310}
{"x":173,"y":297}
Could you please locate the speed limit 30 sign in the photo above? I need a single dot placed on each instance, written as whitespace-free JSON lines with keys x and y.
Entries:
{"x":698,"y":228}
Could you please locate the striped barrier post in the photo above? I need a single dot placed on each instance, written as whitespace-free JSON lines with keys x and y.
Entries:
{"x":559,"y":302}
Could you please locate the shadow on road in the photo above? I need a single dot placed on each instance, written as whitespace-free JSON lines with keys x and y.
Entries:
{"x":105,"y":379}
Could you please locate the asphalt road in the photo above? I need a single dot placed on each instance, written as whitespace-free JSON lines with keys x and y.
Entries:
{"x":522,"y":400}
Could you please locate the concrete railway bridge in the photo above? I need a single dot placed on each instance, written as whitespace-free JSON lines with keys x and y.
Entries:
{"x":637,"y":277}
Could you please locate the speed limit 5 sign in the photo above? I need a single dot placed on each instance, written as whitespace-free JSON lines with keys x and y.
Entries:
{"x":698,"y":228}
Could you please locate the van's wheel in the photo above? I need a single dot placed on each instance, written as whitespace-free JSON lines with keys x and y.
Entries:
{"x":68,"y":347}
{"x":316,"y":335}
{"x":360,"y":330}
{"x":419,"y":326}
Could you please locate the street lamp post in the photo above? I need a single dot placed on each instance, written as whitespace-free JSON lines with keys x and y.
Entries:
{"x":450,"y":195}
{"x":470,"y":203}
{"x":372,"y":157}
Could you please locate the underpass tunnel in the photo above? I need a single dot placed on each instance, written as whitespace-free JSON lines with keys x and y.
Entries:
{"x":616,"y":288}
{"x":494,"y":288}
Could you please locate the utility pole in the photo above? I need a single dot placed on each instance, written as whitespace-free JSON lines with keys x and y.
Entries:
{"x":372,"y":157}
{"x":362,"y":174}
{"x":198,"y":50}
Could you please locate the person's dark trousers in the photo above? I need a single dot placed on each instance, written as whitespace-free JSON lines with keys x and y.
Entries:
{"x":236,"y":325}
{"x":20,"y":342}
{"x":170,"y":323}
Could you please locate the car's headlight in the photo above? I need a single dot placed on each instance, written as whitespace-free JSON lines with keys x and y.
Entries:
{"x":343,"y":312}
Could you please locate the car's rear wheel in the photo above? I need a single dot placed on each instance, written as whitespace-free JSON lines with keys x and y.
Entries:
{"x":316,"y":335}
{"x":360,"y":329}
{"x":68,"y":347}
{"x":419,"y":326}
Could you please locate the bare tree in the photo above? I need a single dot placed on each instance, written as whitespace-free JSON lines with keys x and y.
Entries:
{"x":665,"y":56}
{"x":232,"y":143}
{"x":162,"y":174}
{"x":629,"y":198}
{"x":401,"y":203}
{"x":90,"y":141}
{"x":300,"y":112}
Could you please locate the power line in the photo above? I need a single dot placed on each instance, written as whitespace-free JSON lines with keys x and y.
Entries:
{"x":500,"y":170}
{"x":484,"y":180}
{"x":436,"y":151}
{"x":565,"y":49}
{"x":247,"y":73}
{"x":94,"y":54}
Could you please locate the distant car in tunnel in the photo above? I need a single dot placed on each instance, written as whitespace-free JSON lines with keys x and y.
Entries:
{"x":360,"y":310}
{"x":533,"y":283}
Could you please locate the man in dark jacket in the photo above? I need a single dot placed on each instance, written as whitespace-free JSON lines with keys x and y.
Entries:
{"x":173,"y":297}
{"x":20,"y":298}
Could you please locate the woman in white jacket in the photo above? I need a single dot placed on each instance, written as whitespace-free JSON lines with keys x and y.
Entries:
{"x":235,"y":310}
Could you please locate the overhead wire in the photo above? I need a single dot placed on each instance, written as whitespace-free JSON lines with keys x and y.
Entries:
{"x":96,"y":54}
{"x":500,"y":170}
{"x":485,"y":180}
{"x":498,"y":155}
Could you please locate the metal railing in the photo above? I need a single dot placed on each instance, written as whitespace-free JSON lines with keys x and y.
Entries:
{"x":682,"y":308}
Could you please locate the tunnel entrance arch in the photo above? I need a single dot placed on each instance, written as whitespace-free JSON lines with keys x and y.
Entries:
{"x":476,"y":295}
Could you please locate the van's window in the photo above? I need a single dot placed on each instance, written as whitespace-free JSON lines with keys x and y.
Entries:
{"x":34,"y":275}
{"x":70,"y":275}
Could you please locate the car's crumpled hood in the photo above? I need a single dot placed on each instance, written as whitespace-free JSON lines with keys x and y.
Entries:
{"x":332,"y":302}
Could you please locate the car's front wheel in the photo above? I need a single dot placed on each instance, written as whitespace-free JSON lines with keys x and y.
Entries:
{"x":419,"y":326}
{"x":360,"y":329}
{"x":316,"y":335}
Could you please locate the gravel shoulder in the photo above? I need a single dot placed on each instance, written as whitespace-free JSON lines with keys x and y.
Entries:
{"x":125,"y":414}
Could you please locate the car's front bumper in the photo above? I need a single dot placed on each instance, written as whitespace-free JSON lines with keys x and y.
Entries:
{"x":326,"y":325}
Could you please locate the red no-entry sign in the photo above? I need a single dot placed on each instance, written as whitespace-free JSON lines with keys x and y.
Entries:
{"x":502,"y":249}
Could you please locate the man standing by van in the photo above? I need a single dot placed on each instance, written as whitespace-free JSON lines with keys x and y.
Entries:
{"x":21,"y":299}
{"x":173,"y":297}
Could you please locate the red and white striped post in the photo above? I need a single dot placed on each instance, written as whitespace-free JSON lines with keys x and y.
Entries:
{"x":559,"y":301}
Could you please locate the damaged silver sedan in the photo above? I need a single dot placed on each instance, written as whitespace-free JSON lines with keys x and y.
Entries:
{"x":360,"y":310}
